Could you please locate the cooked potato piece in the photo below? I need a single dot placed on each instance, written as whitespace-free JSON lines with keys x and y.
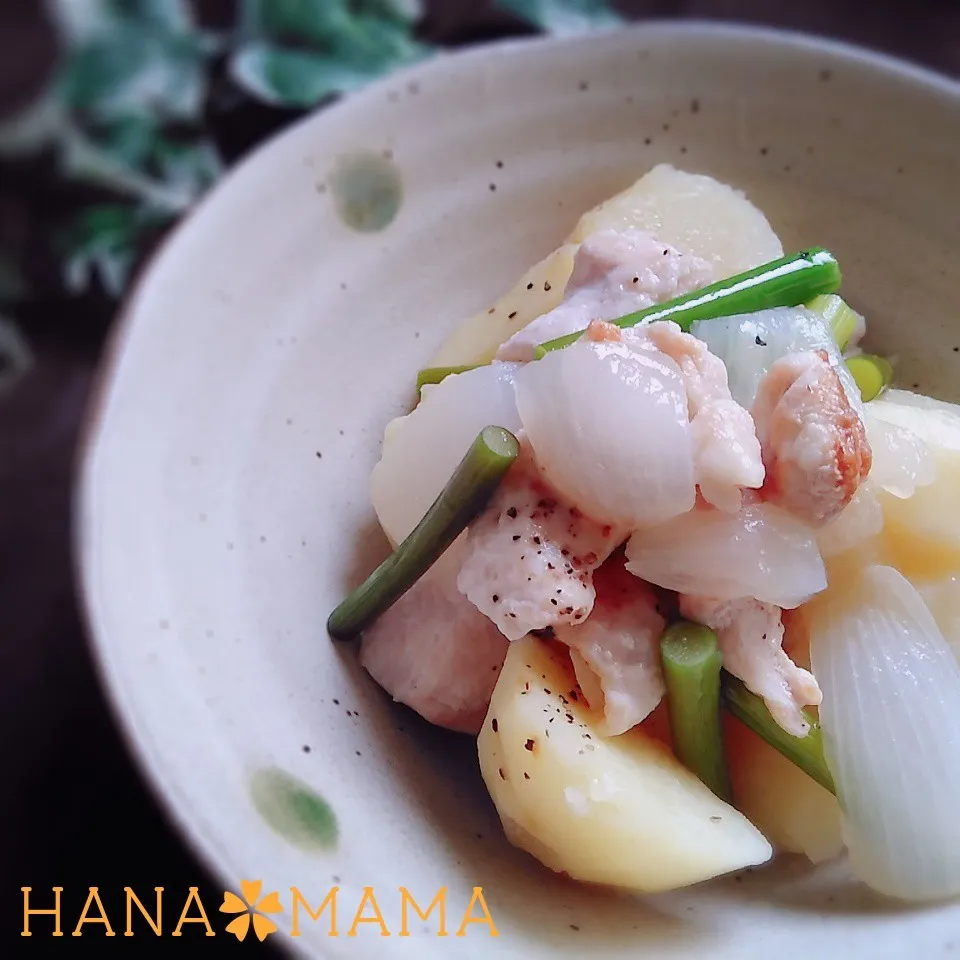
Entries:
{"x":794,"y":812}
{"x":942,"y":597}
{"x":923,"y":532}
{"x":693,"y":213}
{"x":619,"y":811}
{"x":537,"y":292}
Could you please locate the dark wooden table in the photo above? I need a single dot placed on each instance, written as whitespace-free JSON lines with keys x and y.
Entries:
{"x":74,"y":811}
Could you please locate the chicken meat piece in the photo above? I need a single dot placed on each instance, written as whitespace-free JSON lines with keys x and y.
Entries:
{"x":814,"y":444}
{"x":616,"y":651}
{"x":614,"y":273}
{"x":436,"y":653}
{"x":530,"y":557}
{"x":750,"y":634}
{"x":726,"y":449}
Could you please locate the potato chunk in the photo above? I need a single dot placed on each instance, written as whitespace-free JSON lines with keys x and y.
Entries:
{"x":620,"y":811}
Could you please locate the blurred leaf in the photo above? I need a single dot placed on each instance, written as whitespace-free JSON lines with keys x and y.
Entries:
{"x":104,"y":241}
{"x":330,"y":26}
{"x":188,"y":168}
{"x":564,"y":16}
{"x":136,"y":69}
{"x":16,"y":357}
{"x":290,"y":78}
{"x":377,"y":45}
{"x":296,"y":78}
{"x":175,"y":16}
{"x":83,"y":159}
{"x":122,"y":57}
{"x":403,"y":11}
{"x":131,"y":140}
{"x":138,"y":143}
{"x":81,"y":21}
{"x":312,"y":22}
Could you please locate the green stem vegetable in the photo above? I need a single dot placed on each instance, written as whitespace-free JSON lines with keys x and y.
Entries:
{"x":436,"y":374}
{"x":806,"y":752}
{"x":840,"y":317}
{"x":872,"y":374}
{"x":691,"y":669}
{"x":780,"y":283}
{"x":464,"y":496}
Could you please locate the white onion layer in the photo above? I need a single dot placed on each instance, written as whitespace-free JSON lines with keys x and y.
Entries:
{"x":891,"y":725}
{"x":422,"y":449}
{"x":610,"y":430}
{"x":760,"y":552}
{"x":750,"y":343}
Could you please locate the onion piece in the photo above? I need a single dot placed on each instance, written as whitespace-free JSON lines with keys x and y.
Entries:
{"x":750,"y":343}
{"x":422,"y":449}
{"x":891,"y":728}
{"x":760,"y":552}
{"x":610,"y":429}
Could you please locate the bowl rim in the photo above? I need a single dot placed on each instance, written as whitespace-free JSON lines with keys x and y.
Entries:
{"x":137,"y":740}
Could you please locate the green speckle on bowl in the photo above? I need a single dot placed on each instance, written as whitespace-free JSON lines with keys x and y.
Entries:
{"x":367,"y":191}
{"x":293,"y":810}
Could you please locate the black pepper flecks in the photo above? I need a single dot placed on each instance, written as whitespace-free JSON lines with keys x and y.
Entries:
{"x":494,"y":725}
{"x":512,"y":513}
{"x":530,"y":745}
{"x":759,"y":342}
{"x":546,"y":286}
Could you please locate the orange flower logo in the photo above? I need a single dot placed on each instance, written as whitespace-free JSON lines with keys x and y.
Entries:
{"x":251,"y":908}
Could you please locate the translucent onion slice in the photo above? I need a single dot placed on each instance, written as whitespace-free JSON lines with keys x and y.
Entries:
{"x":760,"y":552}
{"x":610,"y":429}
{"x":422,"y":449}
{"x":750,"y":343}
{"x":891,"y":726}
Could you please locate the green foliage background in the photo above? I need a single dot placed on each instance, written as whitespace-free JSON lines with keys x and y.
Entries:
{"x":126,"y":117}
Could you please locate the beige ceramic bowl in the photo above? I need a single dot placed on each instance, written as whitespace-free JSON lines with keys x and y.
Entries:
{"x":223,"y":505}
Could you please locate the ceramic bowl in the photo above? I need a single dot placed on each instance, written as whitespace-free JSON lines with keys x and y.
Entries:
{"x":223,"y":507}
